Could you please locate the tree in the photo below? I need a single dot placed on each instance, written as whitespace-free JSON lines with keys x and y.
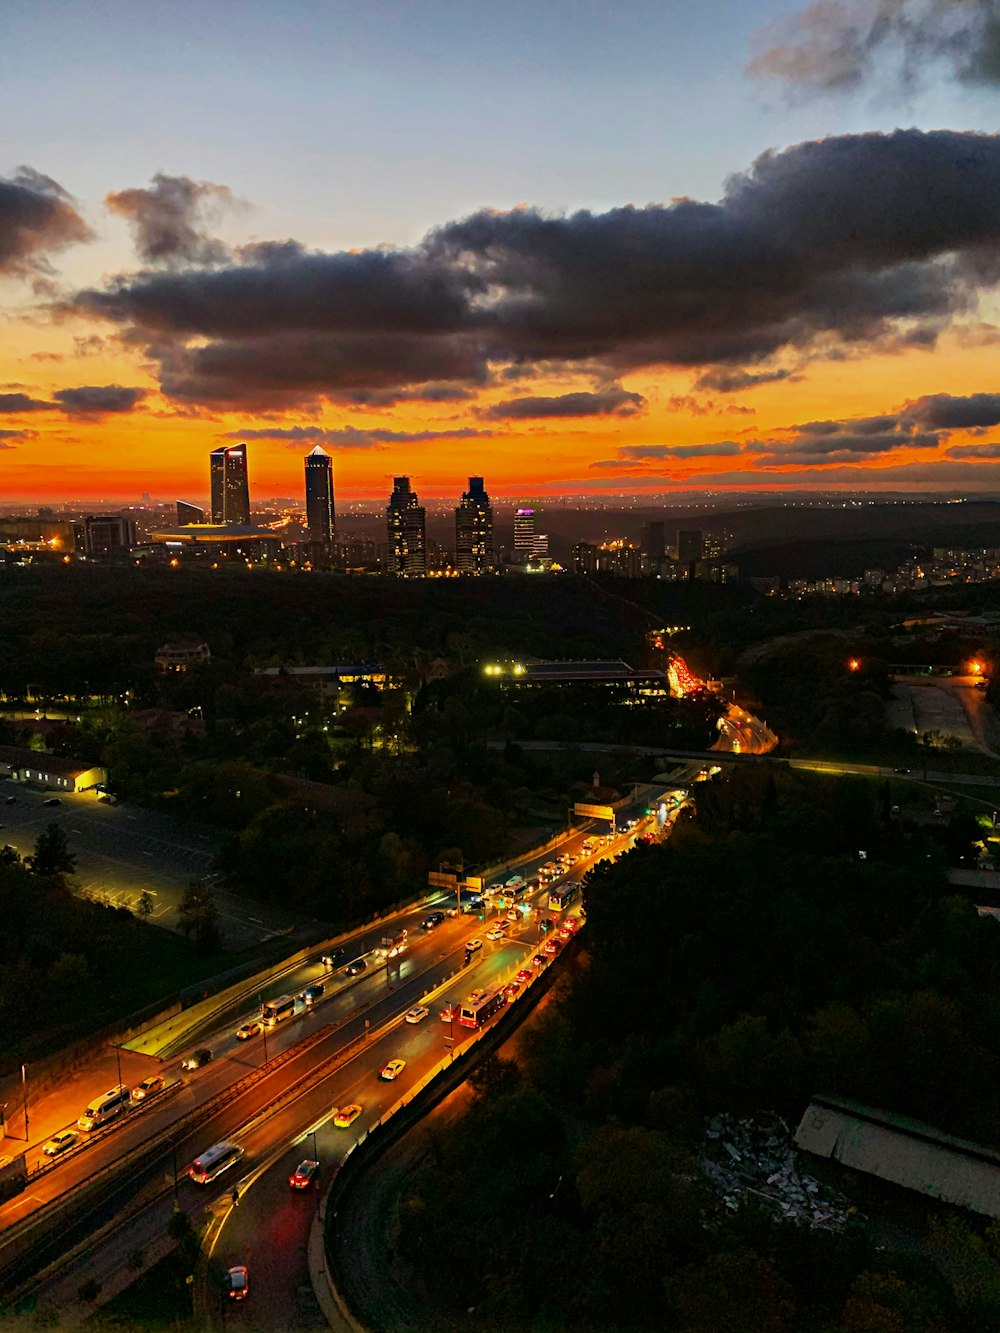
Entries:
{"x":52,"y":857}
{"x":198,"y":918}
{"x":144,"y":907}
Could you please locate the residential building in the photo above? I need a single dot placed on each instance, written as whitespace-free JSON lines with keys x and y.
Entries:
{"x":690,"y":545}
{"x":474,"y":549}
{"x":181,"y":654}
{"x":107,"y":535}
{"x":320,"y":514}
{"x":528,"y":541}
{"x":230,"y":485}
{"x":585,"y":558}
{"x":406,"y":521}
{"x":652,"y":541}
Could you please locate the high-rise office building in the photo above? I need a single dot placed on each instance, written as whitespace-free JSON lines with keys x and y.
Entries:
{"x":320,"y":515}
{"x":230,"y":485}
{"x":524,"y":533}
{"x":474,"y":551}
{"x":107,"y":535}
{"x":406,"y":520}
{"x":690,"y":545}
{"x":188,"y":513}
{"x":652,"y":541}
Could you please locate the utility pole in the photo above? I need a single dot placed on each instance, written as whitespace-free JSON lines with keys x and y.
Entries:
{"x":24,"y":1091}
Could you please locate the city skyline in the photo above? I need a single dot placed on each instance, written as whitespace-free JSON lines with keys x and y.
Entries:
{"x":742,"y":275}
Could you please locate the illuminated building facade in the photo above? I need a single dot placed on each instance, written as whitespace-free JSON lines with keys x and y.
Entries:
{"x":320,"y":513}
{"x":230,"y":485}
{"x":474,"y":549}
{"x":406,"y":522}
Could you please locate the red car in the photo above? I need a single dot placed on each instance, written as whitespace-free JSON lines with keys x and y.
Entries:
{"x":304,"y":1174}
{"x":551,"y":947}
{"x":524,"y":976}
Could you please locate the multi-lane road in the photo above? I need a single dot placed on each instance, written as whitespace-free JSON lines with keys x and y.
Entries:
{"x":352,"y":1011}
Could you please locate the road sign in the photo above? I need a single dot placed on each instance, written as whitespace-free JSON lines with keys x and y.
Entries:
{"x":441,"y":879}
{"x":593,"y":811}
{"x":473,"y":882}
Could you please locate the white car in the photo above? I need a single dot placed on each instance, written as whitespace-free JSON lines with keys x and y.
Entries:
{"x":417,"y":1014}
{"x":495,"y":934}
{"x":60,"y":1143}
{"x":473,"y":945}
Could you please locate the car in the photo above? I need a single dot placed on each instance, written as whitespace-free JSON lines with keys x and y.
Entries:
{"x":511,"y":989}
{"x":417,"y":1014}
{"x":238,"y":1283}
{"x":53,"y":800}
{"x":333,"y":959}
{"x":513,"y":916}
{"x":564,"y":934}
{"x":551,"y":947}
{"x":197,"y":1058}
{"x":473,"y":944}
{"x":524,"y":976}
{"x":346,"y":1116}
{"x":494,"y":935}
{"x":149,"y":1087}
{"x":904,"y":771}
{"x":304,"y":1174}
{"x":546,"y":923}
{"x":448,"y":1013}
{"x":539,"y":960}
{"x":571,"y":924}
{"x":60,"y":1143}
{"x":251,"y":1029}
{"x":11,"y":800}
{"x":356,"y":968}
{"x":312,"y":993}
{"x":392,"y":1070}
{"x":435,"y":919}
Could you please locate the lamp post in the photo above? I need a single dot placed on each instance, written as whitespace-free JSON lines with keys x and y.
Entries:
{"x":118,"y":1061}
{"x":24,"y":1093}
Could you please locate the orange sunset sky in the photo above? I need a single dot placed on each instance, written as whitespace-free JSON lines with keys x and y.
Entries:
{"x":575,"y":249}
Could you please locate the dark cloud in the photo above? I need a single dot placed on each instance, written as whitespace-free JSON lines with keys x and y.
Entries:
{"x":971,"y":451}
{"x":10,"y":439}
{"x":685,"y":402}
{"x":351,"y":437}
{"x":22,"y":402}
{"x":37,"y":217}
{"x":611,"y":401}
{"x":169,"y":221}
{"x":98,"y":399}
{"x":832,"y":46}
{"x":947,"y":412}
{"x":834,"y":247}
{"x":721,"y":449}
{"x":723,"y":379}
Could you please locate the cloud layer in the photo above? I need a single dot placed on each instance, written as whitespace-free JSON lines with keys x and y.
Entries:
{"x":847,"y":244}
{"x":37,"y":218}
{"x":170,"y":220}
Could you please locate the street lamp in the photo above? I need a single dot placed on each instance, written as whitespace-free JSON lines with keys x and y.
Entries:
{"x":24,"y":1093}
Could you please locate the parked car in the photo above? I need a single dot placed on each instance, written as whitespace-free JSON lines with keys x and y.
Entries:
{"x":304,"y":1174}
{"x":11,"y":800}
{"x":61,"y":1142}
{"x":197,"y":1058}
{"x":149,"y":1087}
{"x":53,"y":800}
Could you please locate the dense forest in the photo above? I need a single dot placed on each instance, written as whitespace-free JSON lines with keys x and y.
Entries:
{"x":755,"y":959}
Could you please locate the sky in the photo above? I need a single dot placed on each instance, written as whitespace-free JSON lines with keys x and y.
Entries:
{"x":575,"y":247}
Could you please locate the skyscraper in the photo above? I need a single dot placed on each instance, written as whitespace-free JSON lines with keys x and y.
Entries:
{"x":689,"y":545}
{"x":320,"y":517}
{"x":230,"y":485}
{"x":474,"y":531}
{"x":652,"y":542}
{"x":107,"y":535}
{"x":188,"y":513}
{"x":406,"y":521}
{"x":524,"y":534}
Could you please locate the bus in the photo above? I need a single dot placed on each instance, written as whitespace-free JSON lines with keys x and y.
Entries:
{"x":273,"y":1012}
{"x":104,"y":1108}
{"x":214,"y":1161}
{"x":564,"y":895}
{"x":480,"y":1006}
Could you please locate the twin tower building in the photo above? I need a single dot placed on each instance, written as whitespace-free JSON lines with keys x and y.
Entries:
{"x":406,"y":518}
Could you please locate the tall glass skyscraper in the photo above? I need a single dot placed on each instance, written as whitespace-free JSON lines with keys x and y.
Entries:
{"x":230,"y":485}
{"x":474,"y":531}
{"x":406,"y":521}
{"x":320,"y":514}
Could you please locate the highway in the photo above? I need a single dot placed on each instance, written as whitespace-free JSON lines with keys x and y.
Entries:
{"x":339,"y":1018}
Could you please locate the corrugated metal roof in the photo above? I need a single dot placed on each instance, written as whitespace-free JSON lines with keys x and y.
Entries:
{"x":903,"y":1151}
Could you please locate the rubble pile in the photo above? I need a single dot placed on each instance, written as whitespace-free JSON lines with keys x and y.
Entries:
{"x":755,"y":1156}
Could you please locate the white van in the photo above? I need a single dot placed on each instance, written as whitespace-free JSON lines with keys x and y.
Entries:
{"x":106,"y":1107}
{"x":214,"y":1161}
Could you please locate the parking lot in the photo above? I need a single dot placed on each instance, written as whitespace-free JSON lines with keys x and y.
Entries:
{"x":123,"y":851}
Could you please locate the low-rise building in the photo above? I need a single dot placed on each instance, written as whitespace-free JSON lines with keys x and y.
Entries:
{"x":50,"y":771}
{"x":182,"y":654}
